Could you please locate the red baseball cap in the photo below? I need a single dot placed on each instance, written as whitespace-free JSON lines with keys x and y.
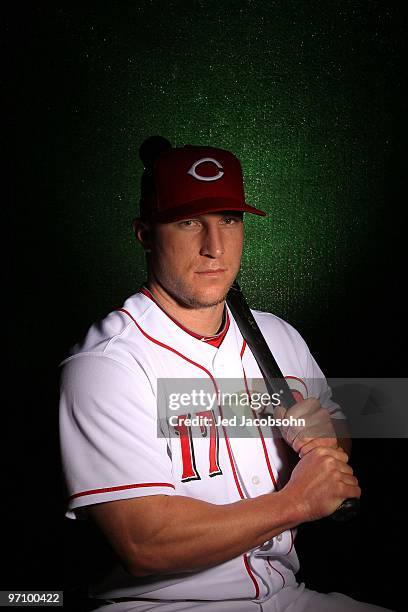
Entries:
{"x":194,"y":180}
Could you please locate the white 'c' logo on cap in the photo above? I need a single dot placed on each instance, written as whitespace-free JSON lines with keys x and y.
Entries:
{"x":217,"y":176}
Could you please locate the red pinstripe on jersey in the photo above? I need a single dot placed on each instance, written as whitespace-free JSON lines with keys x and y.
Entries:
{"x":248,"y":569}
{"x":197,"y":365}
{"x":268,"y":463}
{"x":171,"y":349}
{"x":263,"y":440}
{"x":277,"y":571}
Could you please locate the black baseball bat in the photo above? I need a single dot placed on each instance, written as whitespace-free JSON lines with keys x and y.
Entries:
{"x":274,"y":380}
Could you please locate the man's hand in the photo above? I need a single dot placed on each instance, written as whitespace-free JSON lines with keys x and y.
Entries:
{"x":318,"y":429}
{"x":320,"y":482}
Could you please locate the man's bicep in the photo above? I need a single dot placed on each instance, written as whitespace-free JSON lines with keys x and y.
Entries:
{"x":130,"y":525}
{"x":110,"y":445}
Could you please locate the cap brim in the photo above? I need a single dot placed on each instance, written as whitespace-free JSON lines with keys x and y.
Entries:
{"x":202,"y":207}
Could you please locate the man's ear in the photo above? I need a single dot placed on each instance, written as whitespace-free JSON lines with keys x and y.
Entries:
{"x":142,"y":233}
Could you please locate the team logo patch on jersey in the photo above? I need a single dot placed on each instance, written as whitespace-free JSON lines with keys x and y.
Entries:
{"x":201,"y":177}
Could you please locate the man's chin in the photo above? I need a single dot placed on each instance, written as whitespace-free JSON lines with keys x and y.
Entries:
{"x":206,"y":299}
{"x":206,"y":302}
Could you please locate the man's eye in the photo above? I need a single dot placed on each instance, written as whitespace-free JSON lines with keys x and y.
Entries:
{"x":231,"y":220}
{"x":188,"y":223}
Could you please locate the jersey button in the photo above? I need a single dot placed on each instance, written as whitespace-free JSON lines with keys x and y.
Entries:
{"x":268,"y":569}
{"x":279,"y":537}
{"x":255,"y":480}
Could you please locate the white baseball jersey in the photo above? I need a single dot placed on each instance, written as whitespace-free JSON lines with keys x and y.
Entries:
{"x":111,"y":448}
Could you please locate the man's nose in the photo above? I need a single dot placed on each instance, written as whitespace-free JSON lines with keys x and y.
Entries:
{"x":213,"y":244}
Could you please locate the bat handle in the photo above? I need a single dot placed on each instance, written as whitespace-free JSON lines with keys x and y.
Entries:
{"x":347,"y":511}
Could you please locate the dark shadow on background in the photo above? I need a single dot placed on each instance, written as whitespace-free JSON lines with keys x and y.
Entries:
{"x":62,"y":266}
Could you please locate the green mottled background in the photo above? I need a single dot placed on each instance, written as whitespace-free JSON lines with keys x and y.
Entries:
{"x":307,"y":94}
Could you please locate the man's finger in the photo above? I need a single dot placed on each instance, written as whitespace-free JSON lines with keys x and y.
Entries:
{"x":302,"y":447}
{"x":306,"y":407}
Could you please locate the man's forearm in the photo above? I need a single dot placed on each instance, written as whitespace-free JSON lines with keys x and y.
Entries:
{"x":210,"y":534}
{"x":160,"y":534}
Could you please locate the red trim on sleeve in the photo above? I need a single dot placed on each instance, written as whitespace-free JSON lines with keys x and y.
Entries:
{"x":121,"y":488}
{"x":248,"y":569}
{"x":243,"y":348}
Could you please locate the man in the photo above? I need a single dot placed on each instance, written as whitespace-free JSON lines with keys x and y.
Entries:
{"x":198,"y":521}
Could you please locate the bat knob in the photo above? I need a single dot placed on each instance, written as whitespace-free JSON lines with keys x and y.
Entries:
{"x":347,"y":511}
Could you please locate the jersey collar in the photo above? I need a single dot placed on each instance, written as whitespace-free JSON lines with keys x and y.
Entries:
{"x":215,"y":340}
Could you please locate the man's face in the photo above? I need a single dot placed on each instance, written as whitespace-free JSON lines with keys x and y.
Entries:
{"x":196,"y":260}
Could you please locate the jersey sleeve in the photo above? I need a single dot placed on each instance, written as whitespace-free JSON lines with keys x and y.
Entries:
{"x":109,"y":438}
{"x":293,"y":355}
{"x":319,"y":388}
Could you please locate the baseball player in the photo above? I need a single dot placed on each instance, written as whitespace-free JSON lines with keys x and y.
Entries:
{"x":199,"y":519}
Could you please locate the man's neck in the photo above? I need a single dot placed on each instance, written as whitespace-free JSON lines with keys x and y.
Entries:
{"x":203,"y":321}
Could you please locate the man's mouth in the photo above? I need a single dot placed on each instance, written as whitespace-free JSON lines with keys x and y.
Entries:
{"x":211,"y":272}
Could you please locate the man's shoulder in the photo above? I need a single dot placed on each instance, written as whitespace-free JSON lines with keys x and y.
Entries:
{"x":113,"y":333}
{"x":272,"y":324}
{"x":286,"y":343}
